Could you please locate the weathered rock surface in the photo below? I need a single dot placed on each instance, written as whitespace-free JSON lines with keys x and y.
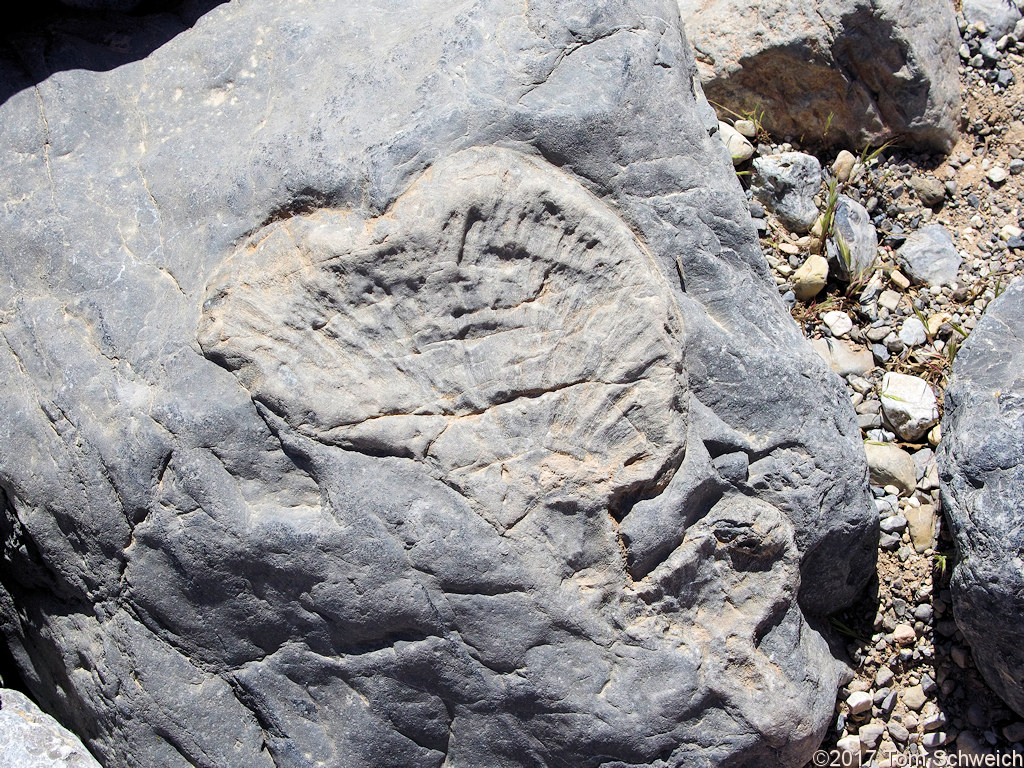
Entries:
{"x":843,"y":357}
{"x":458,"y":427}
{"x":998,"y":16}
{"x":909,"y":405}
{"x":930,"y":257}
{"x":889,"y":464}
{"x":981,"y":468}
{"x":30,"y":738}
{"x":787,"y":184}
{"x":847,"y":71}
{"x":859,"y":251}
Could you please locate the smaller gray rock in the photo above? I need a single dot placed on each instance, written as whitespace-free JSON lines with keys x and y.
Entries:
{"x":787,"y":184}
{"x":934,"y":739}
{"x":884,"y":676}
{"x":852,"y":223}
{"x":849,"y":750}
{"x":839,"y":323}
{"x":893,"y":524}
{"x":870,"y":734}
{"x":1014,"y":732}
{"x":858,"y":701}
{"x":889,"y":299}
{"x":909,"y":405}
{"x":898,"y":732}
{"x":924,"y":612}
{"x":746,"y":128}
{"x":30,"y":738}
{"x":889,"y":542}
{"x":930,"y":190}
{"x":929,"y":256}
{"x":913,"y":333}
{"x":997,"y":175}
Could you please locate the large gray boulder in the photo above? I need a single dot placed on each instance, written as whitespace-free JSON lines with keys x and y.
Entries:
{"x":405,"y":387}
{"x":852,"y":72}
{"x":981,"y":468}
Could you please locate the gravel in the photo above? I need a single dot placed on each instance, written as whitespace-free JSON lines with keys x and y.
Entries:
{"x":950,"y":235}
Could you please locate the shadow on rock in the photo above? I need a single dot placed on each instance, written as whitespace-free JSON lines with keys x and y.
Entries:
{"x":51,"y":36}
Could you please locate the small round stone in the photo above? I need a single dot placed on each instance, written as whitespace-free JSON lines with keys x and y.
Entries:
{"x":904,"y":635}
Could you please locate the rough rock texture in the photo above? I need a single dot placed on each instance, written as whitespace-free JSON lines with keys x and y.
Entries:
{"x":908,"y":404}
{"x":981,"y":468}
{"x":787,"y":184}
{"x":929,"y":256}
{"x":846,"y":71}
{"x":425,"y":403}
{"x":888,"y":464}
{"x":30,"y":738}
{"x":998,"y":16}
{"x":852,"y":223}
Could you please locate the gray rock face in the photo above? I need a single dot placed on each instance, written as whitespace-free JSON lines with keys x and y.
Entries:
{"x":853,"y":224}
{"x":459,"y":427}
{"x":786,"y":184}
{"x":854,"y":72}
{"x":981,"y":469}
{"x":929,"y":256}
{"x":30,"y":738}
{"x":998,"y":16}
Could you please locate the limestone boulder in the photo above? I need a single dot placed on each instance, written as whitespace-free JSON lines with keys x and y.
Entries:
{"x":408,"y":389}
{"x":981,"y":470}
{"x":852,"y":72}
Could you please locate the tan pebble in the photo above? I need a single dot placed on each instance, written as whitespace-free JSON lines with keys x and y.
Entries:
{"x":810,"y":278}
{"x":904,"y":634}
{"x":935,"y":322}
{"x":843,"y":165}
{"x":900,"y":280}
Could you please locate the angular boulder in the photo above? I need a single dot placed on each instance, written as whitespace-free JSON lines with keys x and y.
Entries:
{"x":981,"y":470}
{"x":852,"y":72}
{"x":408,"y":390}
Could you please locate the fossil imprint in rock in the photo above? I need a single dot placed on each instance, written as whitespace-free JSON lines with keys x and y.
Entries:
{"x":505,"y":331}
{"x":500,"y":324}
